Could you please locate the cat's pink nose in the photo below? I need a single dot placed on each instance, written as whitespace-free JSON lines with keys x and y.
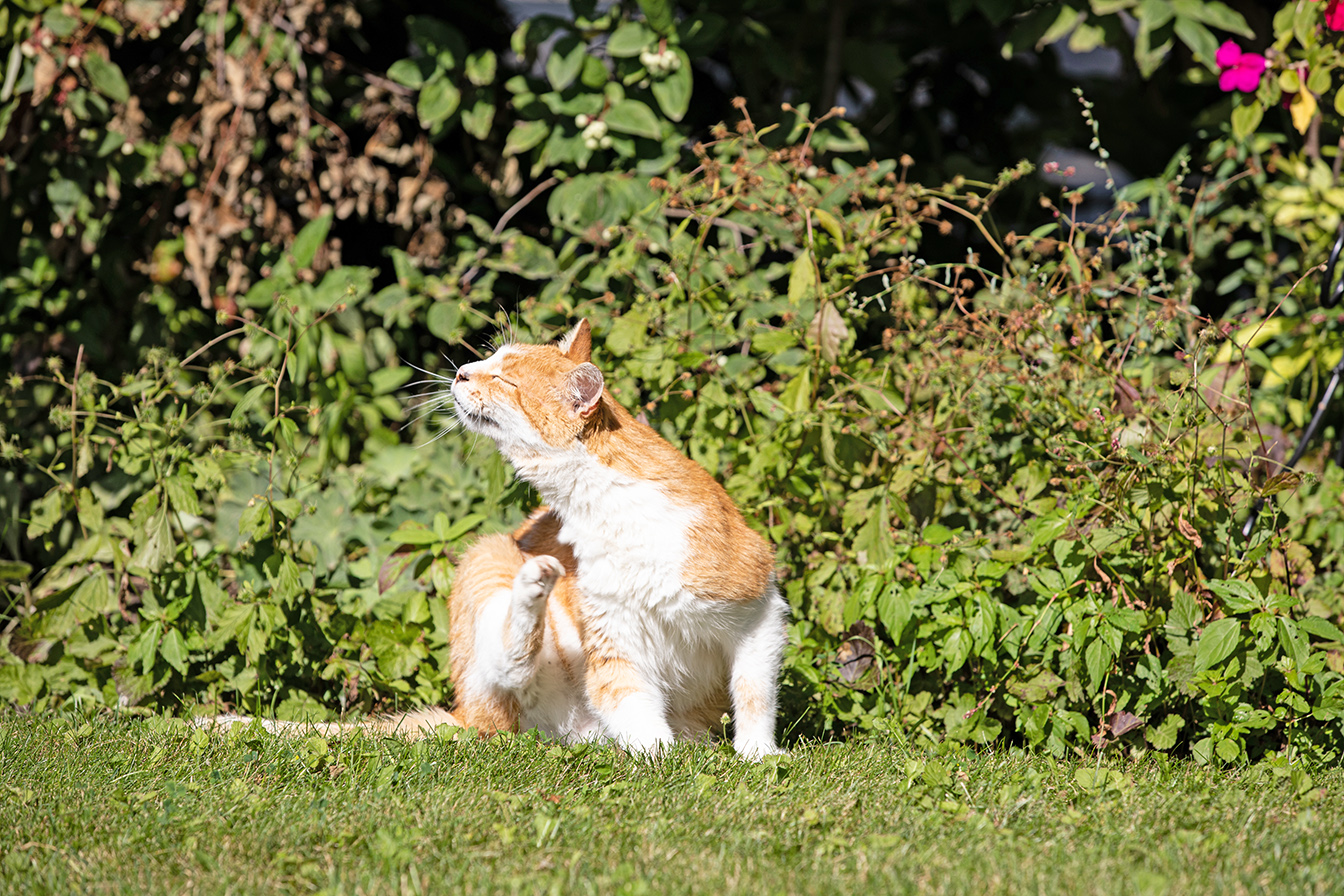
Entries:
{"x":462,"y":377}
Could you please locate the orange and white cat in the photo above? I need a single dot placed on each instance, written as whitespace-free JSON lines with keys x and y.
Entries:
{"x":637,"y":607}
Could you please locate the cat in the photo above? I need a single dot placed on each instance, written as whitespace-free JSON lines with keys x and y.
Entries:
{"x":636,"y":607}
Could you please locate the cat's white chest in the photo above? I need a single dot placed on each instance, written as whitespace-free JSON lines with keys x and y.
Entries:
{"x":629,"y":539}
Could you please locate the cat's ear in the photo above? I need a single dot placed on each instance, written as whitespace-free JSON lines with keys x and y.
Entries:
{"x":578,"y":343}
{"x":585,"y":389}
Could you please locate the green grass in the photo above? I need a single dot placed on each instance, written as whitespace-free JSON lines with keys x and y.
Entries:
{"x":151,"y":806}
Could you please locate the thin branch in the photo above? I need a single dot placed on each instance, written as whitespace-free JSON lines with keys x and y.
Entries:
{"x":504,"y":219}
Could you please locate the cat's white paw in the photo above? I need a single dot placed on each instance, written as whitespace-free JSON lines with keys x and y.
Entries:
{"x":755,"y":751}
{"x":537,"y":577}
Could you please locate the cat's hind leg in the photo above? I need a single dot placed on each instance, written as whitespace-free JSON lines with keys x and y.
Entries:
{"x":498,"y":612}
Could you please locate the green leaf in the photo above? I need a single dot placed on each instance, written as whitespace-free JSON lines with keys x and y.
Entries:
{"x":1292,"y":642}
{"x":1163,"y":736}
{"x":937,"y":533}
{"x":1236,"y":595}
{"x":1200,"y":40}
{"x":633,"y":117}
{"x":255,"y":521}
{"x":480,"y":67}
{"x":14,"y":570}
{"x":477,"y":120}
{"x":174,"y":649}
{"x":152,"y":533}
{"x":94,"y":597}
{"x":181,"y":494}
{"x":438,"y":101}
{"x":802,"y":279}
{"x":412,"y":73}
{"x":452,"y":533}
{"x":630,"y":39}
{"x":525,"y":135}
{"x":1321,"y":628}
{"x":659,"y":15}
{"x":309,"y":240}
{"x":395,"y":647}
{"x":437,"y":38}
{"x":1039,"y":688}
{"x":415,"y":536}
{"x":444,"y":318}
{"x":1217,"y":642}
{"x":673,"y":92}
{"x":47,"y":511}
{"x":894,"y":608}
{"x":565,"y":61}
{"x":1215,"y":15}
{"x":957,"y":649}
{"x":1097,"y":658}
{"x":1184,"y":615}
{"x":106,"y":78}
{"x":873,"y":541}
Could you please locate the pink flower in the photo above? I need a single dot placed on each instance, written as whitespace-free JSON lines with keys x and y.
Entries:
{"x":1240,"y":71}
{"x":1334,"y":15}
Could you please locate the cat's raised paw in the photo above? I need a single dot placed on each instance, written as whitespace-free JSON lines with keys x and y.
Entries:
{"x":538,"y":576}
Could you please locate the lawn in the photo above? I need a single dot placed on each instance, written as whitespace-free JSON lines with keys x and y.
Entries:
{"x":136,"y":805}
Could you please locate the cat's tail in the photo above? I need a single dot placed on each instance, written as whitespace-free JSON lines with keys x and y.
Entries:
{"x":411,"y":725}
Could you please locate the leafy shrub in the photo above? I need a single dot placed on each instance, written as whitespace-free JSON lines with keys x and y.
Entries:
{"x":1005,"y":463}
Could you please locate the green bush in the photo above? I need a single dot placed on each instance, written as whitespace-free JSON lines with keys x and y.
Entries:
{"x":1005,"y":455}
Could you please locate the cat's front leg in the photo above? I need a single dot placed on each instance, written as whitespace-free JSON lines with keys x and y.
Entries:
{"x":633,"y":713}
{"x":754,"y":682}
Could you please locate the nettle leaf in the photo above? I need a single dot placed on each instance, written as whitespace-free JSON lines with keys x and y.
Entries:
{"x":957,"y":649}
{"x":873,"y":542}
{"x":1236,"y":595}
{"x":1217,"y":642}
{"x":1097,"y":658}
{"x":633,"y":117}
{"x":1040,"y":687}
{"x":152,"y":533}
{"x":1321,"y":628}
{"x":894,"y":609}
{"x":802,"y":279}
{"x":256,"y":520}
{"x":174,"y":650}
{"x":1292,"y":642}
{"x":47,"y":511}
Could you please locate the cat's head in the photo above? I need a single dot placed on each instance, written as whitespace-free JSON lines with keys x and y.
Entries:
{"x":531,"y":398}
